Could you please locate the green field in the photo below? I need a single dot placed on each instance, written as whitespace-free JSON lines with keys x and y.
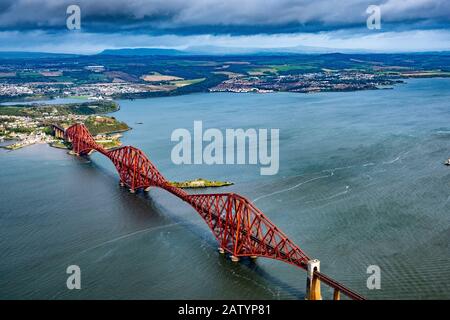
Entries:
{"x":85,"y":108}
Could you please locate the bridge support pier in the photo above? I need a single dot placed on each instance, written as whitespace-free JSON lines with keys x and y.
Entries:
{"x":147,"y":189}
{"x":221,"y":250}
{"x":234,"y":259}
{"x":253,"y":257}
{"x":312,"y":282}
{"x":132,"y":191}
{"x":122,"y":184}
{"x":336,"y":294}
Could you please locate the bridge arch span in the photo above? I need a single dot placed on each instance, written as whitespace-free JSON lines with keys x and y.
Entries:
{"x":239,"y":227}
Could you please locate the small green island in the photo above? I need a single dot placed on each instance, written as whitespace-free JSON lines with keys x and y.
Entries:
{"x":200,"y":183}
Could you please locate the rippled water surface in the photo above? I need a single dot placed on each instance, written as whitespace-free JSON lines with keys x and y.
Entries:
{"x":361,"y":182}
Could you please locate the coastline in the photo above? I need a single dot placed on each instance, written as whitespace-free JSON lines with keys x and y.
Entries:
{"x":159,"y":94}
{"x":30,"y":123}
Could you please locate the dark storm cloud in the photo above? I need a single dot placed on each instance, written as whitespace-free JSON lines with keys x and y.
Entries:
{"x":220,"y":17}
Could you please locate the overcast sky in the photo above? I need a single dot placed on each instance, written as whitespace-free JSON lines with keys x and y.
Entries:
{"x":406,"y":25}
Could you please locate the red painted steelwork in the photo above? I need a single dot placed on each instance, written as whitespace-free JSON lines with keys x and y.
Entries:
{"x":240,"y":228}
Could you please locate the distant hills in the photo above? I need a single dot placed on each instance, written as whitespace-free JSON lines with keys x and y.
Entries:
{"x":217,"y":50}
{"x":33,"y":55}
{"x":195,"y":50}
{"x":142,"y":52}
{"x":223,"y":51}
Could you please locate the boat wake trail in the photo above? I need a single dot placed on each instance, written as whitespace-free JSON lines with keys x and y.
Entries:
{"x":347,"y":189}
{"x":330,"y":174}
{"x":291,"y":188}
{"x":128,"y":235}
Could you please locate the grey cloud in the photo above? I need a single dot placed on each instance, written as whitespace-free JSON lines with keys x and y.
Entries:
{"x":216,"y":16}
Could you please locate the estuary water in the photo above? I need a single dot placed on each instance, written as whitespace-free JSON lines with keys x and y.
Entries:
{"x":361,"y":182}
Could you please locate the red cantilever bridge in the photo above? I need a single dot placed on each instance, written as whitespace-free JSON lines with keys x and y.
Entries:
{"x":240,"y":228}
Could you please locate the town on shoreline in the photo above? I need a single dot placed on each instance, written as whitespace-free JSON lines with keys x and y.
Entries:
{"x":132,"y":76}
{"x":28,"y":124}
